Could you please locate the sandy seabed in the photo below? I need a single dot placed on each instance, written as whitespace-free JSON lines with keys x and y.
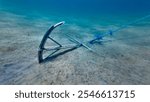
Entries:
{"x":125,"y":59}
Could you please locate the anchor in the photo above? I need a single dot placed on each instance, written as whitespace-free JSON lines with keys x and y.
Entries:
{"x":55,"y":49}
{"x":70,"y":47}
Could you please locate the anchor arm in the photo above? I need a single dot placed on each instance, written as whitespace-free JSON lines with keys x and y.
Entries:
{"x":45,"y":37}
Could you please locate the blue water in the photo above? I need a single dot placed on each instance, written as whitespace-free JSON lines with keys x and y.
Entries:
{"x":81,"y":6}
{"x":83,"y":12}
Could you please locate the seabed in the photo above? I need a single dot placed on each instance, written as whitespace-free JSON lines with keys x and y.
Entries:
{"x":122,"y":59}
